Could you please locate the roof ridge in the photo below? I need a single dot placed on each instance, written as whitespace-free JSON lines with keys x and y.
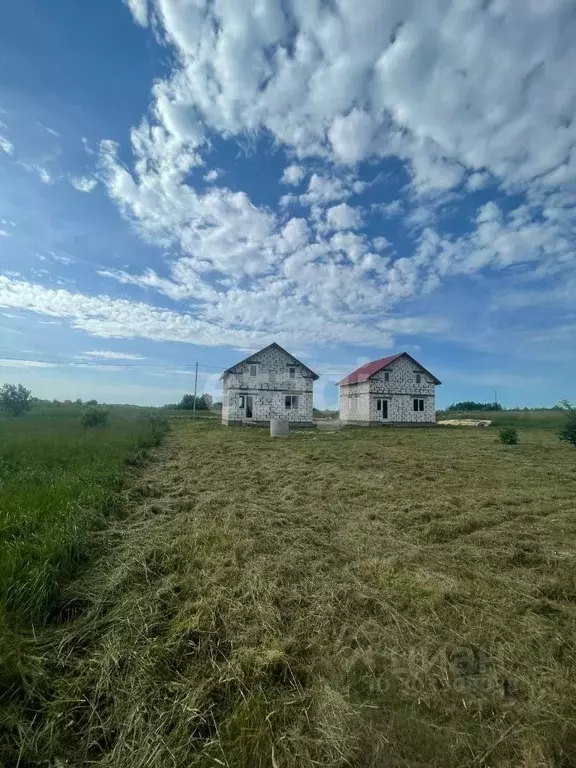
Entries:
{"x":366,"y":371}
{"x":272,"y":344}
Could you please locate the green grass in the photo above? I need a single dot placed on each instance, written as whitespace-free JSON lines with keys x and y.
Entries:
{"x":59,"y":484}
{"x":400,"y":598}
{"x":58,"y":481}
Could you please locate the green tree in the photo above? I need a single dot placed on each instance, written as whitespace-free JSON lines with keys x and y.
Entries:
{"x":208,"y":400}
{"x":15,"y":399}
{"x":187,"y":403}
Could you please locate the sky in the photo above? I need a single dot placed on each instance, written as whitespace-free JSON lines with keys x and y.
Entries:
{"x":186,"y":181}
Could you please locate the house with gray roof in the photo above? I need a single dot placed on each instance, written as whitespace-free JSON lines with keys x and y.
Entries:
{"x":269,"y":384}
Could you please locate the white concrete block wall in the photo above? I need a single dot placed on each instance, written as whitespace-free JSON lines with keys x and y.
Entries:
{"x":354,"y":402}
{"x":403,"y":410}
{"x":358,"y":401}
{"x":402,"y":379}
{"x":268,"y":388}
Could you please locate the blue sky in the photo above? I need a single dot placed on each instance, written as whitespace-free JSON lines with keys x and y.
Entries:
{"x":189,"y":180}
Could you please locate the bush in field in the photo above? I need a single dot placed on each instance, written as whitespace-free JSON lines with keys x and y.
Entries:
{"x":95,"y":417}
{"x":157,"y":428}
{"x":568,"y":432}
{"x":508,"y":436}
{"x":15,"y":399}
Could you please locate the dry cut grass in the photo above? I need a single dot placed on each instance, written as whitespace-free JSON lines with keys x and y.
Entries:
{"x":401,"y":598}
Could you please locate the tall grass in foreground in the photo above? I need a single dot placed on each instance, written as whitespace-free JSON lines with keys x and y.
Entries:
{"x":58,"y":480}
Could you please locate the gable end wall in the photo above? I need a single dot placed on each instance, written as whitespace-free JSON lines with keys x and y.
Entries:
{"x":358,"y":401}
{"x":268,"y":389}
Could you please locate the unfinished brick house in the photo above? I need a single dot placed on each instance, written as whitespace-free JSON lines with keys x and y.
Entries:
{"x":270,"y":384}
{"x":392,"y":390}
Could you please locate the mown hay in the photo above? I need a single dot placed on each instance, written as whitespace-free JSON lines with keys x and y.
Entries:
{"x":363,"y":598}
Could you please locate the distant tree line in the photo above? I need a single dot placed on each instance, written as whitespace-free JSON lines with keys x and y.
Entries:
{"x":471,"y":405}
{"x":203,"y":403}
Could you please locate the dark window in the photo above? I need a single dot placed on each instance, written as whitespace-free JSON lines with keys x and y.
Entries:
{"x":386,"y":376}
{"x":418,"y":378}
{"x":241,"y":401}
{"x":382,"y":407}
{"x":418,"y":404}
{"x":253,"y":370}
{"x":291,"y":402}
{"x":292,"y":372}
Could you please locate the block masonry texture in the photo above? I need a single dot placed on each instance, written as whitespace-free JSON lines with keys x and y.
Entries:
{"x":268,"y":389}
{"x":358,"y":402}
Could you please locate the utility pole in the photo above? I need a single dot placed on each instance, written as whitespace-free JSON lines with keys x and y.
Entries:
{"x":495,"y":397}
{"x":195,"y":390}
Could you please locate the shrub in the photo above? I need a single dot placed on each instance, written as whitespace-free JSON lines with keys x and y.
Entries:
{"x":95,"y":417}
{"x":157,"y":428}
{"x":15,"y":399}
{"x":509,"y":436}
{"x":568,"y":432}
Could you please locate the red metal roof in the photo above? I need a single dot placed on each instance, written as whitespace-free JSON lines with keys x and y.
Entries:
{"x":368,"y":369}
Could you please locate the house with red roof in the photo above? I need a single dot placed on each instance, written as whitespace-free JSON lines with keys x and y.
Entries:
{"x":393,"y":390}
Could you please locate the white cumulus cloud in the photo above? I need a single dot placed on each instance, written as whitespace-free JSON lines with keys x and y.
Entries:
{"x":324,"y":189}
{"x":6,"y":145}
{"x":293,"y":174}
{"x":83,"y":183}
{"x":343,"y":216}
{"x":477,"y":180}
{"x":445,"y":86}
{"x":139,"y":9}
{"x":461,"y":95}
{"x":213,"y":175}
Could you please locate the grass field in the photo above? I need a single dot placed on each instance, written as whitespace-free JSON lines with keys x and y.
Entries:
{"x":59,"y":482}
{"x":401,"y":598}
